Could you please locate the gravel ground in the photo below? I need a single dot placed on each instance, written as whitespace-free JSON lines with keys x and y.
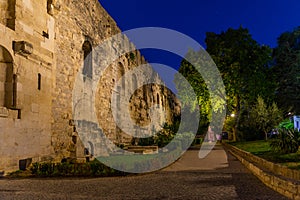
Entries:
{"x":230,"y":181}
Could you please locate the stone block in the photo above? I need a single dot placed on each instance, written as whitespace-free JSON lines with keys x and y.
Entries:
{"x":22,"y":47}
{"x":292,"y":188}
{"x":35,"y":108}
{"x":3,"y":112}
{"x":296,"y":197}
{"x":288,"y":194}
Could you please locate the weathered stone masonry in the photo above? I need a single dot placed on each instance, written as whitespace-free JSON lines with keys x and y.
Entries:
{"x":25,"y":101}
{"x":43,"y":46}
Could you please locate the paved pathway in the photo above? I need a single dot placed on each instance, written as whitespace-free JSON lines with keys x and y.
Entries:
{"x":218,"y":176}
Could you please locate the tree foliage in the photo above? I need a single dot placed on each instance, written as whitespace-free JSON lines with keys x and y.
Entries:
{"x":244,"y":66}
{"x":248,"y":70}
{"x":204,"y":79}
{"x":198,"y":84}
{"x":265,"y":117}
{"x":287,"y":71}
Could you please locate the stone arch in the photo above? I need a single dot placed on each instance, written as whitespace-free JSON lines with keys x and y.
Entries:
{"x":87,"y":62}
{"x":6,"y":78}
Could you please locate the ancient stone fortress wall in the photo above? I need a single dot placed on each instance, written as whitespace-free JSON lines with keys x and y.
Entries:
{"x":26,"y":74}
{"x":80,"y":27}
{"x":44,"y":47}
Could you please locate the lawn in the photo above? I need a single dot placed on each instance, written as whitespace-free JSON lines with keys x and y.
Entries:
{"x":262,"y":149}
{"x":254,"y":147}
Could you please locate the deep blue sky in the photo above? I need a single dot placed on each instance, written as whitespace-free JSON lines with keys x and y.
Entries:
{"x":265,"y":19}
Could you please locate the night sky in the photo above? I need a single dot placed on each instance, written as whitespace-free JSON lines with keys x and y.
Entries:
{"x":265,"y":19}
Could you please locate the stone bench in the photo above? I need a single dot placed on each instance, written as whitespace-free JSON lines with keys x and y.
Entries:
{"x":143,"y":149}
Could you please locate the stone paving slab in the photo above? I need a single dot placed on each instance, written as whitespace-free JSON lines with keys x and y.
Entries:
{"x":224,"y":179}
{"x":190,"y":161}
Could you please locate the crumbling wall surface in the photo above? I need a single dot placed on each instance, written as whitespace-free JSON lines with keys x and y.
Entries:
{"x":79,"y":22}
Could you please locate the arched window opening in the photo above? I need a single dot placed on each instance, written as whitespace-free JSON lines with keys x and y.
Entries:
{"x":121,"y":89}
{"x":88,"y":62}
{"x":6,"y":79}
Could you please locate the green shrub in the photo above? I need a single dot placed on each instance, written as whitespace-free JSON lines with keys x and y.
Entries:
{"x":288,"y":141}
{"x":34,"y":168}
{"x":94,"y":168}
{"x":162,"y":137}
{"x":149,"y":141}
{"x":198,"y":140}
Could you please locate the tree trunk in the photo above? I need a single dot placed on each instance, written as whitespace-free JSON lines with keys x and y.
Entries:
{"x":266,"y":136}
{"x":234,"y":135}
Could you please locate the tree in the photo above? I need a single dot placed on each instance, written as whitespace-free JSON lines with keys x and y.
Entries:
{"x":244,"y":66}
{"x":287,"y":71}
{"x":201,"y":73}
{"x":265,"y":117}
{"x":195,"y":79}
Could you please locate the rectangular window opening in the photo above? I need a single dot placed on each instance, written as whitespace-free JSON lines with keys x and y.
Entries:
{"x":39,"y":81}
{"x":14,"y":104}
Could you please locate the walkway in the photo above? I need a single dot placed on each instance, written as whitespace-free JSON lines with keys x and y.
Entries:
{"x":218,"y":176}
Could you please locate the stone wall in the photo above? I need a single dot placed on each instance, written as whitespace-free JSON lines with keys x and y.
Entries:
{"x":278,"y":177}
{"x":25,"y":110}
{"x":78,"y":25}
{"x":276,"y":169}
{"x":43,"y":49}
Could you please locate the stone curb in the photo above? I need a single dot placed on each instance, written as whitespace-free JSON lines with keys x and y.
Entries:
{"x":270,"y":178}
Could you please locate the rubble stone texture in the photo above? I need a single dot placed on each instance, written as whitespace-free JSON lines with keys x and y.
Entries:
{"x":42,"y":50}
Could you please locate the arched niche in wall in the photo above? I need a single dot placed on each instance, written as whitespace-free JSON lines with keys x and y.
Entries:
{"x":158,"y":100}
{"x":145,"y":93}
{"x":120,"y":71}
{"x":87,"y":62}
{"x":7,"y":93}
